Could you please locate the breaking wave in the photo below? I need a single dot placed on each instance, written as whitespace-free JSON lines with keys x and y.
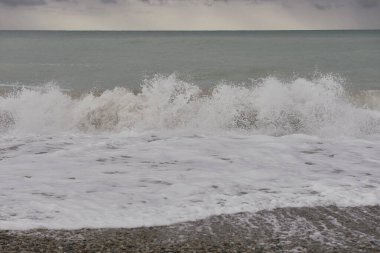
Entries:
{"x":317,"y":107}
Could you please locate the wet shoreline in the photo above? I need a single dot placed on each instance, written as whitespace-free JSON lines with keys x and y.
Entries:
{"x":306,"y":229}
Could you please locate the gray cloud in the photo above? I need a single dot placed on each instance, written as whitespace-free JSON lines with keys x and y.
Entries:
{"x":368,"y":3}
{"x":109,"y":1}
{"x":15,"y":3}
{"x":328,"y":4}
{"x":318,"y":4}
{"x":325,"y":4}
{"x":189,"y":14}
{"x":322,"y":7}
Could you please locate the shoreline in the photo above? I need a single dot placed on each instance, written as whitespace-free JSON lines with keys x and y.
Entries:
{"x":305,"y":229}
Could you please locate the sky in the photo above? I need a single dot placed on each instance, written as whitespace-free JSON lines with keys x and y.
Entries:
{"x":189,"y":14}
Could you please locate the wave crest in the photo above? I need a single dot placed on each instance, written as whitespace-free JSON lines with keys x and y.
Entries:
{"x":316,"y":107}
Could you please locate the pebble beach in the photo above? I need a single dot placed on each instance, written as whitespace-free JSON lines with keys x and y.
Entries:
{"x":307,"y":229}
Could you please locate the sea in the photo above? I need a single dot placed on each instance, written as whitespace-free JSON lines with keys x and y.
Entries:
{"x":128,"y":129}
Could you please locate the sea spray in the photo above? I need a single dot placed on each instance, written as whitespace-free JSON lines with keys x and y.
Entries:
{"x":272,"y":107}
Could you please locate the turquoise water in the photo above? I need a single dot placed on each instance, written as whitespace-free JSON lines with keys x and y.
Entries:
{"x":84,"y":60}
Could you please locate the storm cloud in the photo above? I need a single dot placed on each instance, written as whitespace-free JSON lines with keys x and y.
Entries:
{"x":368,"y":3}
{"x":319,"y":4}
{"x":14,"y":3}
{"x":189,"y":14}
{"x":109,"y":1}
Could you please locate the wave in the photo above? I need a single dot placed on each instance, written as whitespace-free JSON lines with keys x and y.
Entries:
{"x":319,"y":106}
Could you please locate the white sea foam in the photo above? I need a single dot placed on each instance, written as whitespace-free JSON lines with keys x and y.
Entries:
{"x":174,"y":152}
{"x":316,"y":107}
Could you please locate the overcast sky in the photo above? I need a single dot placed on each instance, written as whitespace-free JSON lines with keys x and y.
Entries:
{"x":189,"y":14}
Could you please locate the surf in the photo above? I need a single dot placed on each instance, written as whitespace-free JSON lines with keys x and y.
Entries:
{"x":269,"y":106}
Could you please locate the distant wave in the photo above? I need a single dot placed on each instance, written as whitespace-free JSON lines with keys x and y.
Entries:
{"x":317,"y":107}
